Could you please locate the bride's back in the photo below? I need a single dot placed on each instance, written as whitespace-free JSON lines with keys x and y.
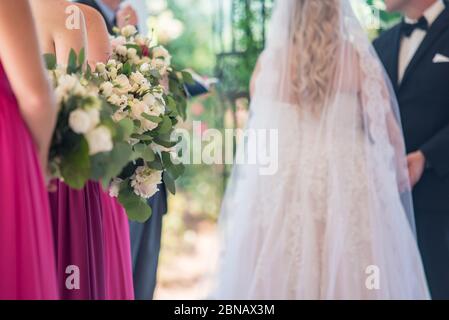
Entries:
{"x":307,"y":57}
{"x":56,"y":32}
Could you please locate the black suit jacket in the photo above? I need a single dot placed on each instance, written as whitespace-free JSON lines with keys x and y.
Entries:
{"x":423,"y":97}
{"x":93,"y":4}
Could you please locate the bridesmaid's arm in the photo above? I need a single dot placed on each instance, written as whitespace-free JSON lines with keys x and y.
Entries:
{"x":23,"y":63}
{"x":97,"y":36}
{"x":67,"y":39}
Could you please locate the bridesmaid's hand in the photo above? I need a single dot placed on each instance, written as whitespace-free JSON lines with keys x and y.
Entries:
{"x":43,"y":159}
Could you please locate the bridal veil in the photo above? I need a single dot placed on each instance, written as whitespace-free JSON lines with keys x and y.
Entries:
{"x":335,"y":220}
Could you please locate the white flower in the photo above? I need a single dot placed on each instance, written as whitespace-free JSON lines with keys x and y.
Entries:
{"x":160,"y":52}
{"x":111,"y":63}
{"x":94,"y":118}
{"x":79,"y":121}
{"x":119,"y":115}
{"x":137,"y":108}
{"x":121,"y":51}
{"x":132,"y":53}
{"x":145,"y":87}
{"x":141,"y":40}
{"x":99,"y":140}
{"x":129,"y":31}
{"x":114,"y":187}
{"x":118,"y":41}
{"x":145,"y":182}
{"x":112,"y":73}
{"x":159,"y":65}
{"x":100,"y":67}
{"x":145,"y":68}
{"x":122,"y":85}
{"x":107,"y":88}
{"x":149,"y":99}
{"x":156,"y":107}
{"x":114,"y":99}
{"x":68,"y":84}
{"x":123,"y":102}
{"x":137,"y":77}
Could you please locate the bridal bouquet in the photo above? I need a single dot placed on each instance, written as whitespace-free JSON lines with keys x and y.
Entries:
{"x":87,"y":144}
{"x":146,"y":92}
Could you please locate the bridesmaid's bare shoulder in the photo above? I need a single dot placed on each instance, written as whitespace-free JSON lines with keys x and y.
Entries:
{"x":97,"y":35}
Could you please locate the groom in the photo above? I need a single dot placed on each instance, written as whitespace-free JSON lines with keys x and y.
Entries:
{"x":415,"y":54}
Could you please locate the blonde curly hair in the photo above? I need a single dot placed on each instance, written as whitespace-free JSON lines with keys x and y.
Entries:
{"x":316,"y":39}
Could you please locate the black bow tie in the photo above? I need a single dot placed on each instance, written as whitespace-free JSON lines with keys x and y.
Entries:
{"x":409,"y":28}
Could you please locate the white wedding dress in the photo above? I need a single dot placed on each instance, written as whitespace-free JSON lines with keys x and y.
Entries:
{"x":336,"y":220}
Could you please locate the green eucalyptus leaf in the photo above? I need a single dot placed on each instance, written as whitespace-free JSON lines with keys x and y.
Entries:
{"x":72,"y":65}
{"x":50,"y":61}
{"x":82,"y":57}
{"x":169,"y":182}
{"x":75,"y":166}
{"x":152,"y":118}
{"x":165,"y":126}
{"x":145,"y":152}
{"x":136,"y":208}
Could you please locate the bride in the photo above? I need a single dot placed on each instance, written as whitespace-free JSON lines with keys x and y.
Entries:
{"x":336,"y":220}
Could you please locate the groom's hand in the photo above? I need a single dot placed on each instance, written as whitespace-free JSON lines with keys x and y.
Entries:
{"x":416,"y":162}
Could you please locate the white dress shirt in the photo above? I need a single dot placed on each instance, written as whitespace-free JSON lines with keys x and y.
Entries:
{"x":410,"y":45}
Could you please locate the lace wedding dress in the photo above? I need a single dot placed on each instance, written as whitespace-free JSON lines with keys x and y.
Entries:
{"x":336,"y":220}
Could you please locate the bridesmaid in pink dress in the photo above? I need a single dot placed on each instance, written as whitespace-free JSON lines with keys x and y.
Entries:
{"x":88,"y":223}
{"x":27,"y":116}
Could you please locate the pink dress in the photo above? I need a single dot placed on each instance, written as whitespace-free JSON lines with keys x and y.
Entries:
{"x":119,"y":277}
{"x":92,"y":235}
{"x":27,"y":258}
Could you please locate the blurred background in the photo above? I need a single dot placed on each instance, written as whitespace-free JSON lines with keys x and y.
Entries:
{"x":218,"y":39}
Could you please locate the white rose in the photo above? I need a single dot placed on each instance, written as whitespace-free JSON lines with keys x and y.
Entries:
{"x":137,"y":77}
{"x":145,"y":68}
{"x":114,"y":99}
{"x":123,"y":102}
{"x":160,"y":52}
{"x":111,"y":63}
{"x":129,"y":31}
{"x":122,"y":85}
{"x":100,"y":67}
{"x":159,"y":65}
{"x":137,"y":108}
{"x":145,"y":87}
{"x":114,"y":187}
{"x":121,"y":51}
{"x":147,"y":125}
{"x":66,"y":84}
{"x":99,"y":140}
{"x":145,"y":182}
{"x":107,"y":88}
{"x":119,"y":115}
{"x":149,"y":99}
{"x":79,"y":121}
{"x":141,"y":40}
{"x":156,"y":108}
{"x":94,"y":117}
{"x":132,"y":53}
{"x":118,"y":41}
{"x":112,"y":73}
